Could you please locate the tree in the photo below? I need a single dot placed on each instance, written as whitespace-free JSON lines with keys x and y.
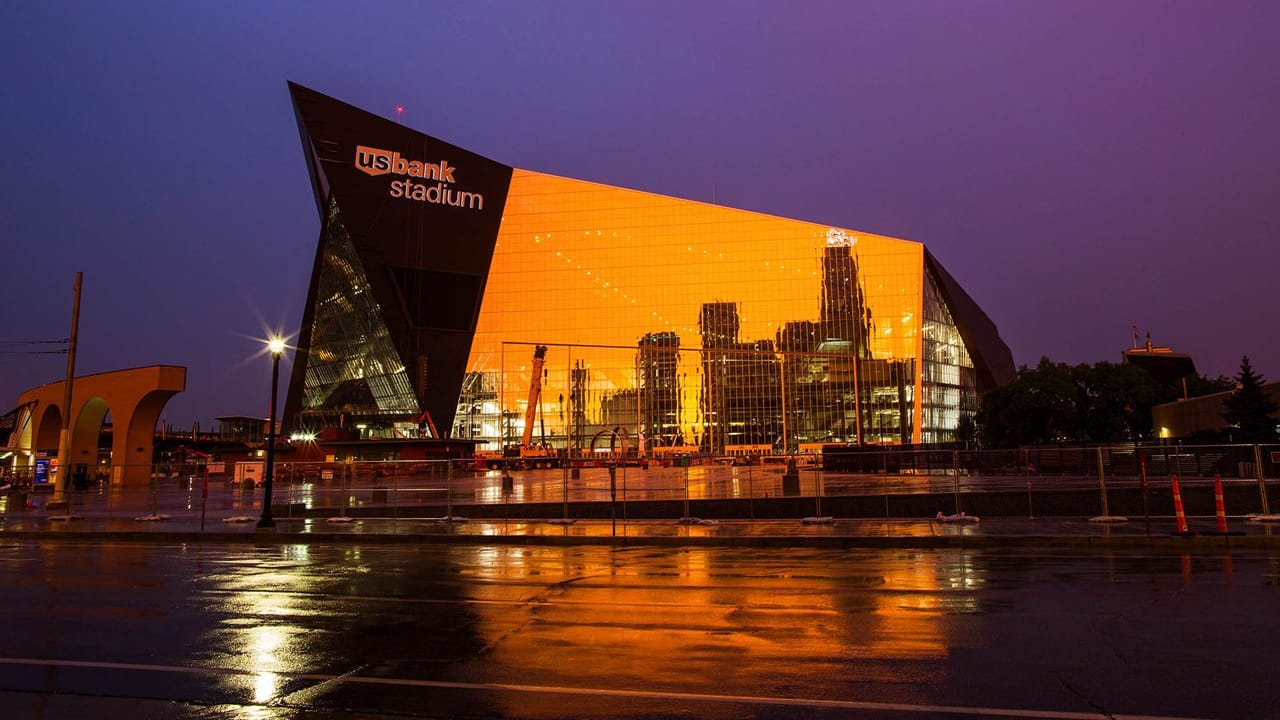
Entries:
{"x":1249,"y":408}
{"x":1040,"y":405}
{"x":1120,"y":398}
{"x":967,"y":430}
{"x":1056,"y":402}
{"x":1198,"y":385}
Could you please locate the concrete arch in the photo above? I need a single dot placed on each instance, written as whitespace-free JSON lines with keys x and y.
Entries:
{"x":87,"y":427}
{"x":134,"y":397}
{"x":47,"y":427}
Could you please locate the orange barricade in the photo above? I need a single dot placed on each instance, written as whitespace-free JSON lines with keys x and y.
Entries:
{"x":1218,"y":508}
{"x":1177,"y":508}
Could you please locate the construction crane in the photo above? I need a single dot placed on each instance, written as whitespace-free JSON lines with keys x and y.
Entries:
{"x":527,"y":454}
{"x":535,"y":394}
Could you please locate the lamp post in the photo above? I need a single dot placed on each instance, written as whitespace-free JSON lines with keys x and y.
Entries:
{"x":276,"y":347}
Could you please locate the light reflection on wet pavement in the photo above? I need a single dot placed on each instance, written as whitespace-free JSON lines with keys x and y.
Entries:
{"x":848,"y":531}
{"x":134,"y":630}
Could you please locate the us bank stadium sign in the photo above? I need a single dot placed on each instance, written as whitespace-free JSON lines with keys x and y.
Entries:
{"x":429,"y":182}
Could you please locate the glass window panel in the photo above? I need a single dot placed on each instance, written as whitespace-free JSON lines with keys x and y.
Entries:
{"x":694,"y":324}
{"x":352,"y":367}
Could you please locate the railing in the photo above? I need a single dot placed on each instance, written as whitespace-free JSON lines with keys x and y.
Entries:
{"x":897,"y":482}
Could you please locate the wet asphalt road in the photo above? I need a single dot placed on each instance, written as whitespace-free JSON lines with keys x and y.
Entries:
{"x":151,"y":630}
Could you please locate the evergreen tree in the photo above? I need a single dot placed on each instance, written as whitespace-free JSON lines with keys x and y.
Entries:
{"x":1249,"y":408}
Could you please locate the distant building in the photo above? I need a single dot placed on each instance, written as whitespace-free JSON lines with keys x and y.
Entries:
{"x":1204,"y":414}
{"x":1166,"y":366}
{"x":659,"y":361}
{"x":242,"y":428}
{"x":438,"y":270}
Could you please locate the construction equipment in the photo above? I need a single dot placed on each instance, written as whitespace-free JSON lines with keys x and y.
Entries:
{"x":535,"y":394}
{"x":526,"y":454}
{"x":531,"y":455}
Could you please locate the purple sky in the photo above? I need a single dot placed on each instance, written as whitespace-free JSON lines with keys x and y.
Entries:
{"x":1079,"y":167}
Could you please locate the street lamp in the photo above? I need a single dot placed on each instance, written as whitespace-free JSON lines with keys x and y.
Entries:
{"x":276,"y":347}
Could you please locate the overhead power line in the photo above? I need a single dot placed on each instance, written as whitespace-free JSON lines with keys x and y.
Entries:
{"x":64,"y":341}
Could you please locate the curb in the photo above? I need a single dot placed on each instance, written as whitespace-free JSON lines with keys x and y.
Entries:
{"x":975,"y":542}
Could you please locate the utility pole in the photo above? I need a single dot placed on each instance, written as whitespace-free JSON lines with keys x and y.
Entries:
{"x":64,"y":437}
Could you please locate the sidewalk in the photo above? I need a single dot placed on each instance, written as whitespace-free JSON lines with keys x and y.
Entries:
{"x":989,"y":532}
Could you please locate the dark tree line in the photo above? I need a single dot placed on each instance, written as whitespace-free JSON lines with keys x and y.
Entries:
{"x":1099,"y":403}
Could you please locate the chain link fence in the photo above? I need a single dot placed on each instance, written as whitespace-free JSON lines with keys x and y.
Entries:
{"x":848,"y":482}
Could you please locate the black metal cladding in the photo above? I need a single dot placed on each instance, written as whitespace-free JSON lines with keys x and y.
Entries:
{"x":991,"y":356}
{"x":426,"y":261}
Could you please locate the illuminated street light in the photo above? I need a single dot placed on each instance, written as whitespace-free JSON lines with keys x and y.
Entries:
{"x":276,"y":347}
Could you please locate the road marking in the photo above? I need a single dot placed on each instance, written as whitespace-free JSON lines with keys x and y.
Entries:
{"x":602,"y":692}
{"x":810,"y":610}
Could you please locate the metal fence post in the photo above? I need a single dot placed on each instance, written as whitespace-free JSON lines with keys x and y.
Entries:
{"x":204,"y":494}
{"x":686,"y":491}
{"x":613,"y":497}
{"x":955,"y":471}
{"x":390,"y":492}
{"x":393,"y":495}
{"x":1262,"y":484}
{"x":348,"y":469}
{"x":1106,"y":516}
{"x":817,"y":494}
{"x":884,"y":481}
{"x":448,"y":492}
{"x":568,"y":471}
{"x":1146,"y":510}
{"x":1031,"y":510}
{"x":1102,"y":484}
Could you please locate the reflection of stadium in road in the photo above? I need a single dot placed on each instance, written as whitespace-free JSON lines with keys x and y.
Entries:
{"x":809,"y":615}
{"x":529,"y":631}
{"x":800,"y":617}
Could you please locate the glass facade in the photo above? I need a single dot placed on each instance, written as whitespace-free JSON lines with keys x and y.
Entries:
{"x":949,"y":382}
{"x":667,"y":323}
{"x":353,"y":367}
{"x":692,"y":325}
